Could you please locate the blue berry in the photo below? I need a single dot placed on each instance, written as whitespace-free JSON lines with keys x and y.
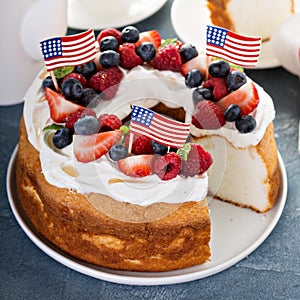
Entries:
{"x":193,"y":78}
{"x":200,"y":94}
{"x":146,"y":51}
{"x":109,"y":43}
{"x":130,"y":34}
{"x":117,"y":152}
{"x":109,"y":58}
{"x":90,"y":98}
{"x":159,"y":148}
{"x":235,"y":80}
{"x":87,"y":70}
{"x":245,"y":124}
{"x":188,"y":52}
{"x":48,"y":82}
{"x":72,"y":89}
{"x":232,"y":113}
{"x":86,"y":125}
{"x":62,"y":138}
{"x":219,"y":68}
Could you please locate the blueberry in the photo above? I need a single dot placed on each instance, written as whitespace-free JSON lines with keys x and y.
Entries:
{"x":193,"y":78}
{"x":245,"y":124}
{"x":86,"y":125}
{"x":72,"y":89}
{"x":159,"y":148}
{"x":90,"y":98}
{"x":87,"y":70}
{"x":109,"y":43}
{"x":232,"y":113}
{"x":188,"y":52}
{"x":109,"y":58}
{"x":48,"y":82}
{"x":200,"y":94}
{"x":146,"y":51}
{"x":62,"y":137}
{"x":235,"y":80}
{"x":130,"y":34}
{"x":219,"y":68}
{"x":117,"y":152}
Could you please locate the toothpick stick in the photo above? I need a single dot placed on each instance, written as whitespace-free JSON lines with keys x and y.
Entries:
{"x":54,"y":80}
{"x":207,"y":66}
{"x":130,"y":142}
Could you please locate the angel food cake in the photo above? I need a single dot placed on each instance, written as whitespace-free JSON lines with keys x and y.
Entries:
{"x":106,"y":189}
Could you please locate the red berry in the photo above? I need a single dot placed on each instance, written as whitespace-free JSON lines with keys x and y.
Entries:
{"x":167,"y":58}
{"x":110,"y":32}
{"x":136,"y":165}
{"x":168,"y":166}
{"x":198,"y":161}
{"x":77,"y":76}
{"x":72,"y":118}
{"x":106,"y":81}
{"x":151,"y":36}
{"x":208,"y":116}
{"x":218,"y":86}
{"x":109,"y":122}
{"x":128,"y":57}
{"x":140,"y":145}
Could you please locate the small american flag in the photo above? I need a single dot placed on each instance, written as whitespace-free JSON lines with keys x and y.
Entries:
{"x":70,"y":50}
{"x":238,"y":49}
{"x":161,"y":129}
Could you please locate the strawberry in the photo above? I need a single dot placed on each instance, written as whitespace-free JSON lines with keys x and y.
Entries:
{"x":208,"y":116}
{"x":200,"y":62}
{"x":77,"y":76}
{"x":246,"y":97}
{"x":137,"y":165}
{"x":60,"y":108}
{"x":106,"y":81}
{"x":151,"y":36}
{"x":167,"y":58}
{"x":128,"y":57}
{"x":218,"y":87}
{"x":109,"y":122}
{"x":91,"y":147}
{"x":140,"y":145}
{"x":110,"y":32}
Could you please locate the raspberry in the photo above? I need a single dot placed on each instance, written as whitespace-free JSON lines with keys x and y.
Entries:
{"x":198,"y":161}
{"x":77,"y":76}
{"x":140,"y":145}
{"x":106,"y":81}
{"x":72,"y":118}
{"x":218,"y":86}
{"x":110,"y":32}
{"x":128,"y":57}
{"x":167,"y":58}
{"x":208,"y":116}
{"x":168,"y":166}
{"x":109,"y":122}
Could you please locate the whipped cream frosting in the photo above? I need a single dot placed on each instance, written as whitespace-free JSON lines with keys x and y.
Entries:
{"x":145,"y":87}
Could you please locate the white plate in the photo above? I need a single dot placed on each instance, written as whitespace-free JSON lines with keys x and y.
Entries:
{"x":189,"y":19}
{"x":236,"y":232}
{"x":80,"y":17}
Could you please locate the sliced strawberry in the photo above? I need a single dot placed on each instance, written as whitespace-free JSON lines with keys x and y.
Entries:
{"x":137,"y":165}
{"x":60,"y":108}
{"x":91,"y":147}
{"x":200,"y":62}
{"x":246,"y":97}
{"x":151,"y":36}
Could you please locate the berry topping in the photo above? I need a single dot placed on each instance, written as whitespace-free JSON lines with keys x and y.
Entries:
{"x":159,"y":148}
{"x":193,"y":78}
{"x":219,"y":68}
{"x":77,"y":76}
{"x":86,"y":125}
{"x":235,"y":80}
{"x":62,"y":138}
{"x":60,"y":108}
{"x":246,"y":97}
{"x":245,"y":124}
{"x":167,"y":58}
{"x":117,"y":152}
{"x":168,"y":166}
{"x":188,"y":52}
{"x":232,"y":113}
{"x":195,"y":160}
{"x":130,"y":34}
{"x":146,"y":51}
{"x":151,"y":36}
{"x":208,"y":116}
{"x":109,"y":32}
{"x":91,"y":147}
{"x":198,"y":62}
{"x":89,"y":98}
{"x":217,"y":86}
{"x":87,"y":70}
{"x":128,"y":57}
{"x":109,"y":58}
{"x":140,"y":145}
{"x":109,"y":43}
{"x":48,"y":82}
{"x":107,"y":81}
{"x":72,"y":118}
{"x":137,"y":165}
{"x":108,"y":122}
{"x":200,"y":94}
{"x":72,"y":89}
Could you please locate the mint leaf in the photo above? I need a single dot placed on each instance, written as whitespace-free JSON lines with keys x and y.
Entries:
{"x":125,"y":129}
{"x":63,"y":71}
{"x":184,"y":151}
{"x":52,"y":127}
{"x":169,"y":41}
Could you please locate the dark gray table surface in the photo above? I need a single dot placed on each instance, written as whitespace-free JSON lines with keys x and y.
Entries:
{"x":272,"y":271}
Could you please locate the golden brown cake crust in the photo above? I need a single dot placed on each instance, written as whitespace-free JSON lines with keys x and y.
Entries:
{"x":67,"y":219}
